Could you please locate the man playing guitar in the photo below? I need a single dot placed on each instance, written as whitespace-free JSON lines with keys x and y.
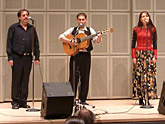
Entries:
{"x":80,"y":62}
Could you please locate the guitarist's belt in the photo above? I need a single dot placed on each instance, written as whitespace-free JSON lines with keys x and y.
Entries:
{"x":83,"y":50}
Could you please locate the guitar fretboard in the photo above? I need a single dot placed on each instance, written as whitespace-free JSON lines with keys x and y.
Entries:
{"x":88,"y":37}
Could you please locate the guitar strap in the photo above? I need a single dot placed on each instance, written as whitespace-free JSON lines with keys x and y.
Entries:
{"x":88,"y":32}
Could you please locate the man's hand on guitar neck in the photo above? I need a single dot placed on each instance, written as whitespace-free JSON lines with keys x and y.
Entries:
{"x":99,"y":37}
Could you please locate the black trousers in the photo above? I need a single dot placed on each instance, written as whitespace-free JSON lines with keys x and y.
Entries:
{"x":20,"y":78}
{"x":82,"y":71}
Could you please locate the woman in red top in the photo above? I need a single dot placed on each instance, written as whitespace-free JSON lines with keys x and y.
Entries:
{"x":144,"y":47}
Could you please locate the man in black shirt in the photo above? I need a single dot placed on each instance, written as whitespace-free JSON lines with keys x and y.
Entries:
{"x":19,"y":51}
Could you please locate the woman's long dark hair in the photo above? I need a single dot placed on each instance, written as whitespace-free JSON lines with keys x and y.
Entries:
{"x":150,"y":24}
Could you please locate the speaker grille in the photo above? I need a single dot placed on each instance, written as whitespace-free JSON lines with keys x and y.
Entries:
{"x":161,"y":107}
{"x":57,"y":100}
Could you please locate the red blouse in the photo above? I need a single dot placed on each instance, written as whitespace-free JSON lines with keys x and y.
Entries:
{"x":139,"y":38}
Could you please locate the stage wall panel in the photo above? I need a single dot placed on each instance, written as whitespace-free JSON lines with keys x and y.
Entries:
{"x":35,"y":5}
{"x":13,"y":5}
{"x":159,"y":5}
{"x":40,"y":25}
{"x":81,"y":5}
{"x":56,"y":24}
{"x":57,"y":68}
{"x":120,"y":5}
{"x":1,"y":29}
{"x":7,"y":76}
{"x":8,"y":19}
{"x":1,"y":5}
{"x":99,"y":86}
{"x":141,"y":5}
{"x":96,"y":5}
{"x":39,"y":77}
{"x":95,"y":20}
{"x":57,"y":5}
{"x":1,"y":81}
{"x":109,"y":59}
{"x":120,"y":83}
{"x":121,"y":38}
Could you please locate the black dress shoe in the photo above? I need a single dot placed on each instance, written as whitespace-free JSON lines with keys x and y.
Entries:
{"x":24,"y":106}
{"x":84,"y":103}
{"x":146,"y":102}
{"x":15,"y":106}
{"x":141,"y":101}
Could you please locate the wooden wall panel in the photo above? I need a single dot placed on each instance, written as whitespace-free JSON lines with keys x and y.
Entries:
{"x":121,"y":36}
{"x":1,"y":29}
{"x":120,"y":85}
{"x":39,"y":78}
{"x":40,"y":25}
{"x":35,"y":5}
{"x":100,"y":22}
{"x":57,"y":69}
{"x":109,"y":59}
{"x":9,"y":18}
{"x":141,"y":5}
{"x":159,"y":22}
{"x":1,"y":81}
{"x":57,"y":5}
{"x":13,"y":5}
{"x":7,"y":79}
{"x":1,"y":5}
{"x":56,"y":25}
{"x":81,"y":5}
{"x":159,"y":6}
{"x":99,"y":82}
{"x":96,"y":5}
{"x":120,"y":5}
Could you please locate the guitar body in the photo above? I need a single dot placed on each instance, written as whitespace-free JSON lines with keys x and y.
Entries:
{"x":73,"y":50}
{"x":83,"y":44}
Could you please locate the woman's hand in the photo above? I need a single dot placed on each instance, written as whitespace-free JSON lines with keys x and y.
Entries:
{"x":134,"y":60}
{"x":154,"y":60}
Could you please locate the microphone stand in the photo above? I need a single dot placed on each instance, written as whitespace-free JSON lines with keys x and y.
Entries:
{"x":146,"y":105}
{"x":74,"y":63}
{"x":33,"y":109}
{"x":78,"y":105}
{"x":74,"y":67}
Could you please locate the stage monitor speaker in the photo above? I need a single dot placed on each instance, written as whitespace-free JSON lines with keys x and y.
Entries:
{"x":57,"y":100}
{"x":161,"y":107}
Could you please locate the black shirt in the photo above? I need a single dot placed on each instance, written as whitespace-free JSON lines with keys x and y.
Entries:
{"x":19,"y":41}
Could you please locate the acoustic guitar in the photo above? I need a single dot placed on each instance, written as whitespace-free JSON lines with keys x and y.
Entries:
{"x":82,"y":40}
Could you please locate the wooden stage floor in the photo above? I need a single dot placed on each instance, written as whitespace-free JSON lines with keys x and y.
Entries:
{"x":108,"y":111}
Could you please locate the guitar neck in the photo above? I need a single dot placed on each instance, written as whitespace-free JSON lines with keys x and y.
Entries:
{"x":88,"y":37}
{"x":93,"y":35}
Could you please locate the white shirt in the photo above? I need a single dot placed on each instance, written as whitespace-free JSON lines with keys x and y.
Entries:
{"x":69,"y":32}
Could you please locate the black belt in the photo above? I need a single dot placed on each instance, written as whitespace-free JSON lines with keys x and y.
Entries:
{"x":26,"y":54}
{"x":23,"y":54}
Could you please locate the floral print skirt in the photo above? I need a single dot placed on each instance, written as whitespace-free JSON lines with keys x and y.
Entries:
{"x":144,"y":72}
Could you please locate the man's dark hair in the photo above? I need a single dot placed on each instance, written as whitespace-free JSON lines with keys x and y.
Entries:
{"x":87,"y":115}
{"x":20,"y":11}
{"x":83,"y":14}
{"x":74,"y":120}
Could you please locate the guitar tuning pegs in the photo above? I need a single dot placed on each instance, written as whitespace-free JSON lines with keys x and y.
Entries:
{"x":111,"y":30}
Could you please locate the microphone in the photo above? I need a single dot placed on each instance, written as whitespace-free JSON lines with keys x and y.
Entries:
{"x":80,"y":26}
{"x":146,"y":21}
{"x":30,"y":18}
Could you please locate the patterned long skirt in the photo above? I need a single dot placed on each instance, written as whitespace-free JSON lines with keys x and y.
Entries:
{"x":144,"y":72}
